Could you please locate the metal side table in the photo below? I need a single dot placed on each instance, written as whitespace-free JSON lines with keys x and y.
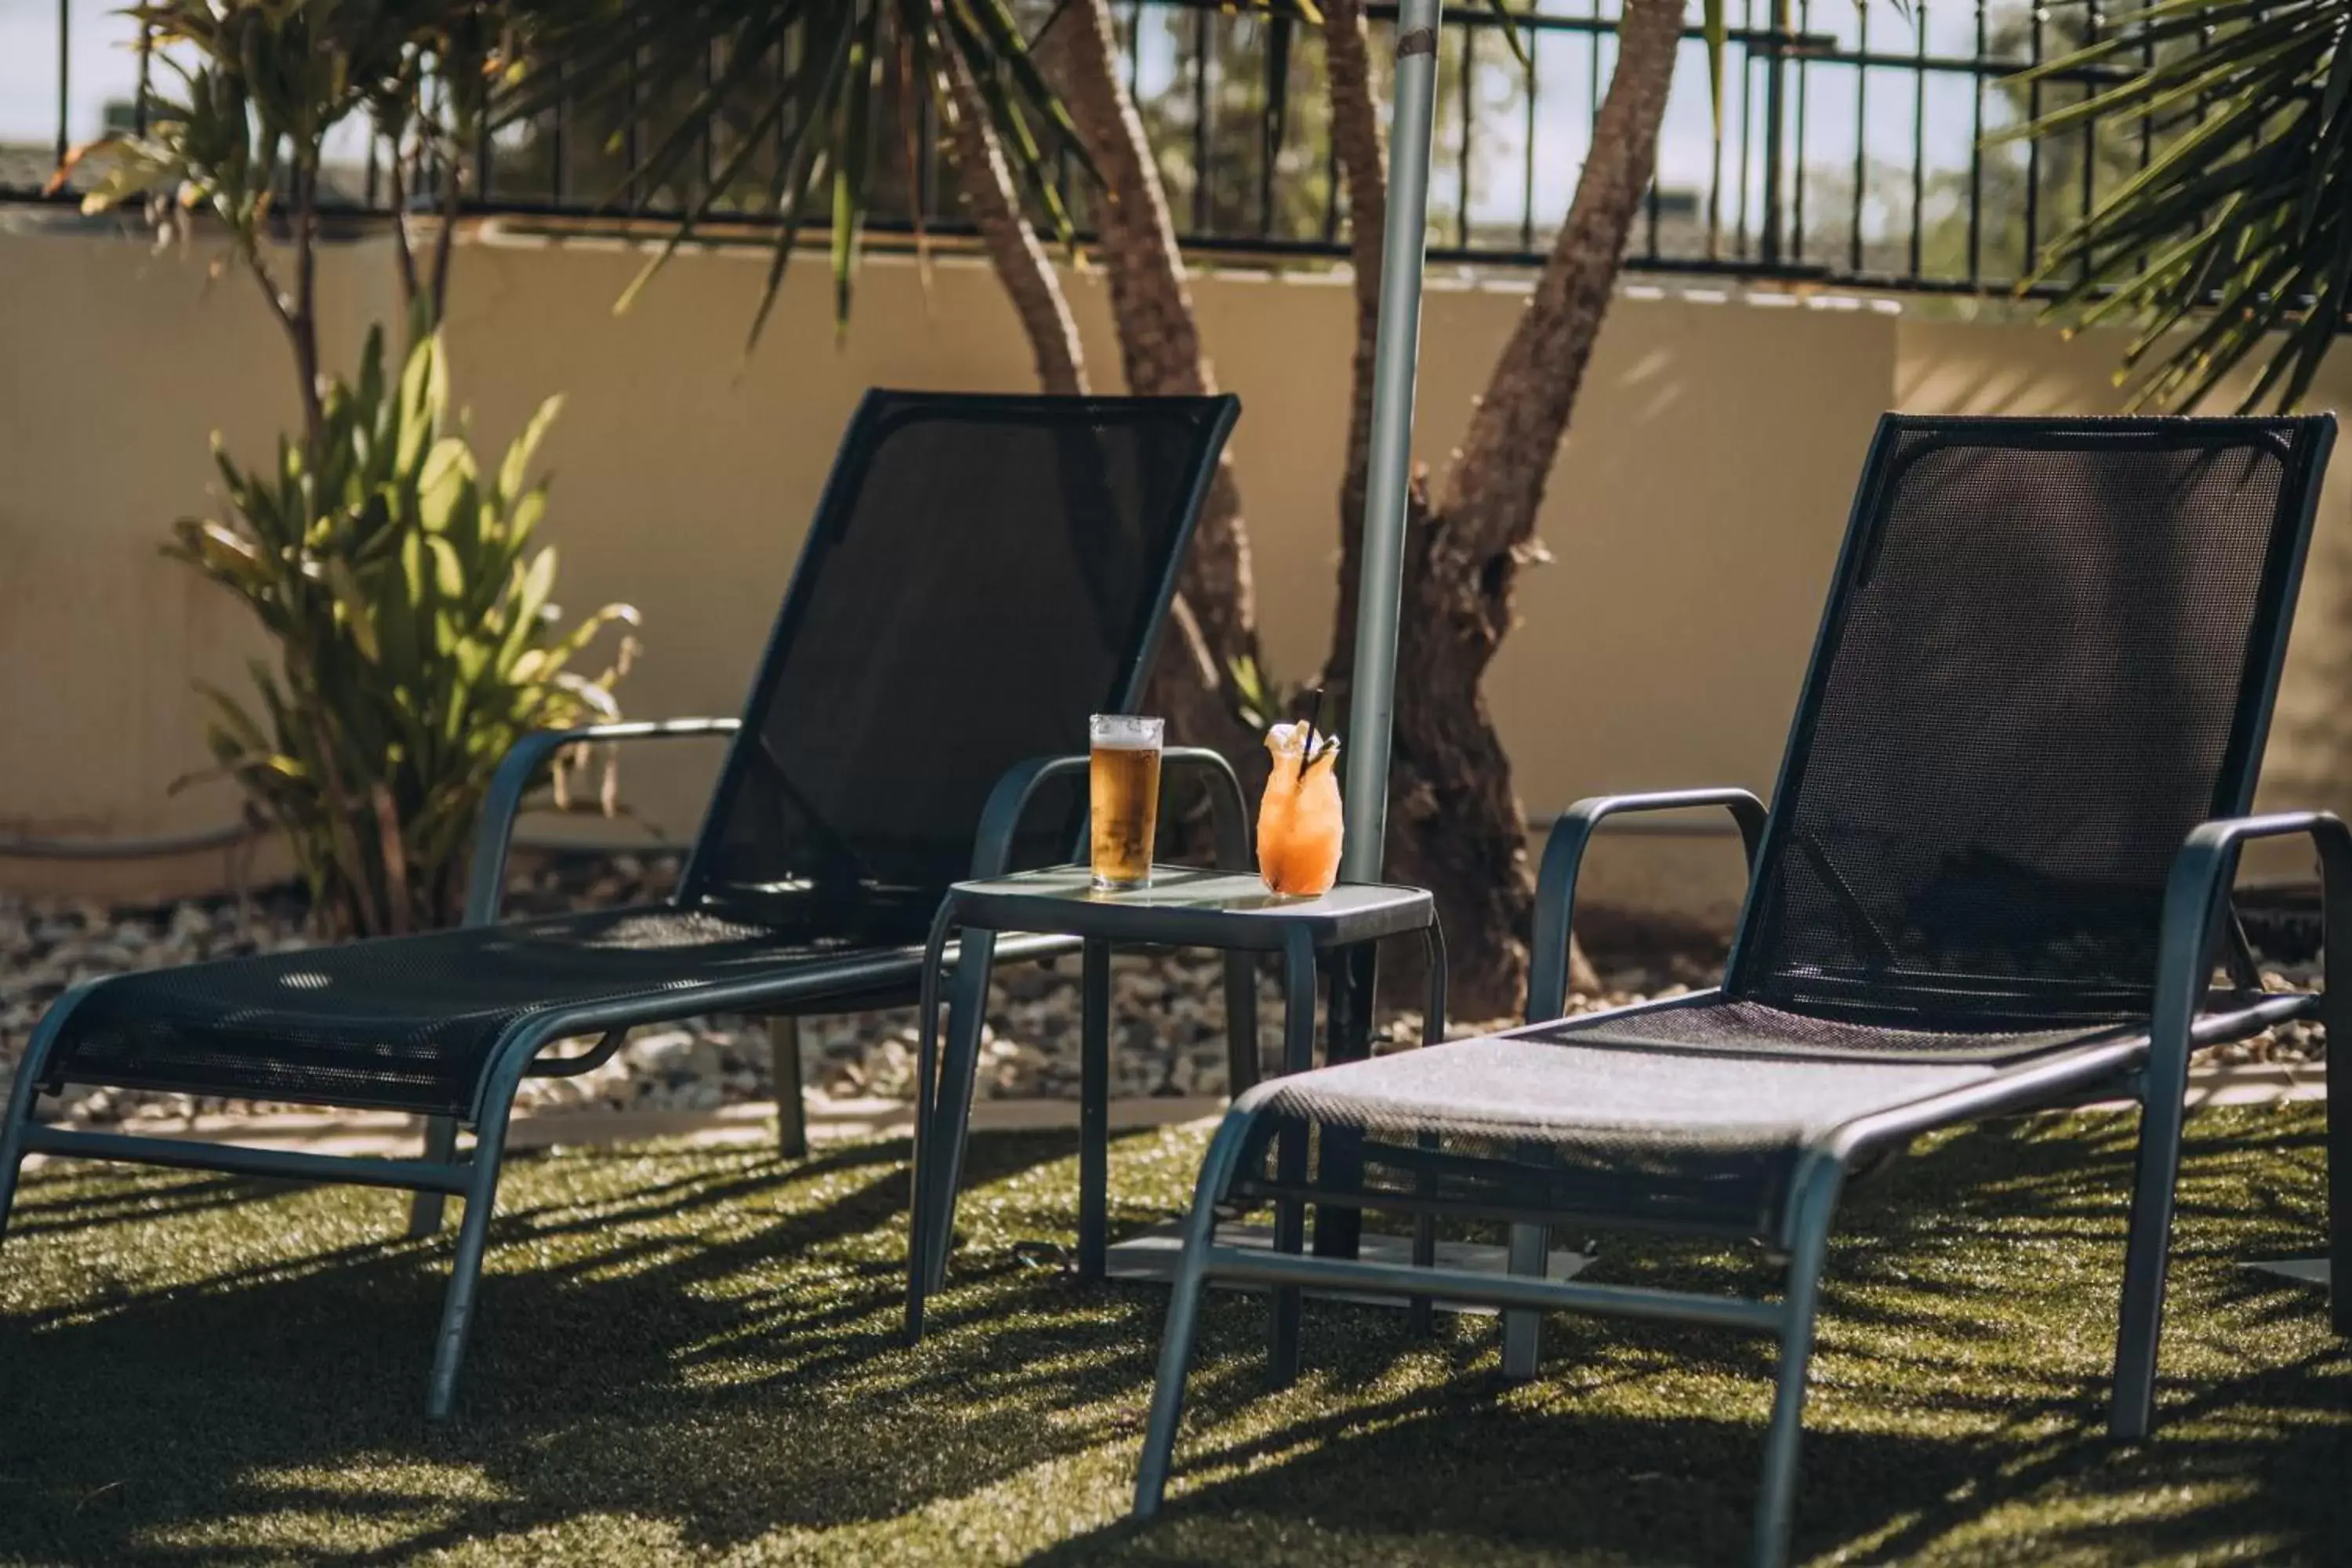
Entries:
{"x":1183,"y":907}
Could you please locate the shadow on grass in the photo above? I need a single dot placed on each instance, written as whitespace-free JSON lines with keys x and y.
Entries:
{"x":209,"y":1371}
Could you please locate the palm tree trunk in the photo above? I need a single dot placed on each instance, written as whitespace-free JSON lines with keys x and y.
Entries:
{"x":1012,"y":244}
{"x":1454,"y":822}
{"x":1160,"y":345}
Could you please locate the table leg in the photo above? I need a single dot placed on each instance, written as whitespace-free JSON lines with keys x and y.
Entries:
{"x":1093,"y":1112}
{"x":784,"y":1066}
{"x":1241,"y":1024}
{"x":1290,"y":1152}
{"x":1433,"y":1032}
{"x":1354,"y":972}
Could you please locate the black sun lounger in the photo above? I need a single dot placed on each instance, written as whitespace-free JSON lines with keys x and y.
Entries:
{"x":1994,"y":877}
{"x":981,"y":573}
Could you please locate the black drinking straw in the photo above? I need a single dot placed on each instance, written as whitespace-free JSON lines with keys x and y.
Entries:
{"x":1314,"y":729}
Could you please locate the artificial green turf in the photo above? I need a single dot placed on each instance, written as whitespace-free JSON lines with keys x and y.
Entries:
{"x":686,"y":1354}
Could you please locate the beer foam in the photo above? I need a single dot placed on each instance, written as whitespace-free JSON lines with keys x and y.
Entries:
{"x":1124,"y":732}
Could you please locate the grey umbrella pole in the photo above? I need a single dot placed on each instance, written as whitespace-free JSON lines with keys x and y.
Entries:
{"x":1372,"y":703}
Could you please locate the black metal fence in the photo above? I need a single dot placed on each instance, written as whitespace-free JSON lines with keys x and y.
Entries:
{"x":1851,"y":146}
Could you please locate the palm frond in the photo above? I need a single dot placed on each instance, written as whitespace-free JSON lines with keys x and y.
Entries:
{"x":2234,"y":248}
{"x":823,"y":80}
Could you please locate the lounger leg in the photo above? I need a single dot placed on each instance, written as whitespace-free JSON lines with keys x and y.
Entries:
{"x":472,"y":1235}
{"x":425,"y":1209}
{"x":12,"y":1134}
{"x":12,"y":1159}
{"x":1290,"y":1157}
{"x":784,"y":1067}
{"x":1529,"y":1254}
{"x":924,"y":1175}
{"x":2339,"y":1211}
{"x":1093,"y":1112}
{"x":1355,"y":974}
{"x":1776,"y":1505}
{"x":1418,"y":1315}
{"x":22,"y":1095}
{"x":967,"y":1015}
{"x":1184,"y":1308}
{"x":2145,"y":1257}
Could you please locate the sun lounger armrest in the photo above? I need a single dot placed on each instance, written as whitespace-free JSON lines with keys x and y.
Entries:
{"x":1008,"y":804}
{"x":1564,"y":857}
{"x":2194,"y":898}
{"x":486,"y":886}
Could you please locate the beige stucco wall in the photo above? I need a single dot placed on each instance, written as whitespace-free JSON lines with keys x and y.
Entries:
{"x":1694,"y":514}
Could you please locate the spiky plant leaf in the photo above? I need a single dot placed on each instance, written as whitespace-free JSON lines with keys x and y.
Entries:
{"x":2233,"y":248}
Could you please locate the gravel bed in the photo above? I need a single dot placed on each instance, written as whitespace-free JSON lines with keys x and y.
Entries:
{"x":1166,"y":1009}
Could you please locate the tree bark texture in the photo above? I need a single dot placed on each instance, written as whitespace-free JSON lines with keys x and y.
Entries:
{"x":1021,"y":263}
{"x":1159,"y":346}
{"x":1362,"y":153}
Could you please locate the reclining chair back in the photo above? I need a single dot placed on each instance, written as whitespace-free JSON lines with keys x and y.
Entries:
{"x":2051,"y":650}
{"x":993,"y":569}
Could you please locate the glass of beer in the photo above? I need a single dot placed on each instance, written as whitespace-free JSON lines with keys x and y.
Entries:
{"x":1125,"y":797}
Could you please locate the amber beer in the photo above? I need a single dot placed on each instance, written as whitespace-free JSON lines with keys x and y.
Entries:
{"x":1125,"y":799}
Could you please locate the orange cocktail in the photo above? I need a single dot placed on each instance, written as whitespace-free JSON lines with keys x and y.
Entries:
{"x":1299,"y":825}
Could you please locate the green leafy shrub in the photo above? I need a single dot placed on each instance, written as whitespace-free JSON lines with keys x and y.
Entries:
{"x":415,"y":641}
{"x":416,"y":638}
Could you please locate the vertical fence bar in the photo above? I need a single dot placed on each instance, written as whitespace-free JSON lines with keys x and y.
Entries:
{"x":2091,"y":23}
{"x":1770,"y":241}
{"x":1372,"y":702}
{"x":2204,"y":103}
{"x":65,"y":76}
{"x":1461,"y":160}
{"x":926,"y":172}
{"x":2147,"y":121}
{"x":2034,"y":147}
{"x":1653,"y":202}
{"x":558,"y":142}
{"x":1332,"y":160}
{"x":1278,"y":110}
{"x":1976,"y":158}
{"x":1804,"y":104}
{"x":481,"y":158}
{"x":1528,"y":154}
{"x":786,"y":123}
{"x":1746,"y":119}
{"x":1135,"y":52}
{"x":1919,"y":136}
{"x":1593,"y":77}
{"x":146,"y":80}
{"x":709,"y":137}
{"x":631,"y":133}
{"x":1330,"y":190}
{"x":1714,"y":248}
{"x":1861,"y":136}
{"x":1200,"y":121}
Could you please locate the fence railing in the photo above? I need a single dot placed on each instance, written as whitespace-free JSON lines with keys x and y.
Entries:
{"x":1851,"y":146}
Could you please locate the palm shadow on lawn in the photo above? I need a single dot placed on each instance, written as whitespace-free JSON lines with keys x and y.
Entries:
{"x":714,"y":1343}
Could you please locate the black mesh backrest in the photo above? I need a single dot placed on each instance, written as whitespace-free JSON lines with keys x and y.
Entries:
{"x":982,"y":572}
{"x":2051,"y":651}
